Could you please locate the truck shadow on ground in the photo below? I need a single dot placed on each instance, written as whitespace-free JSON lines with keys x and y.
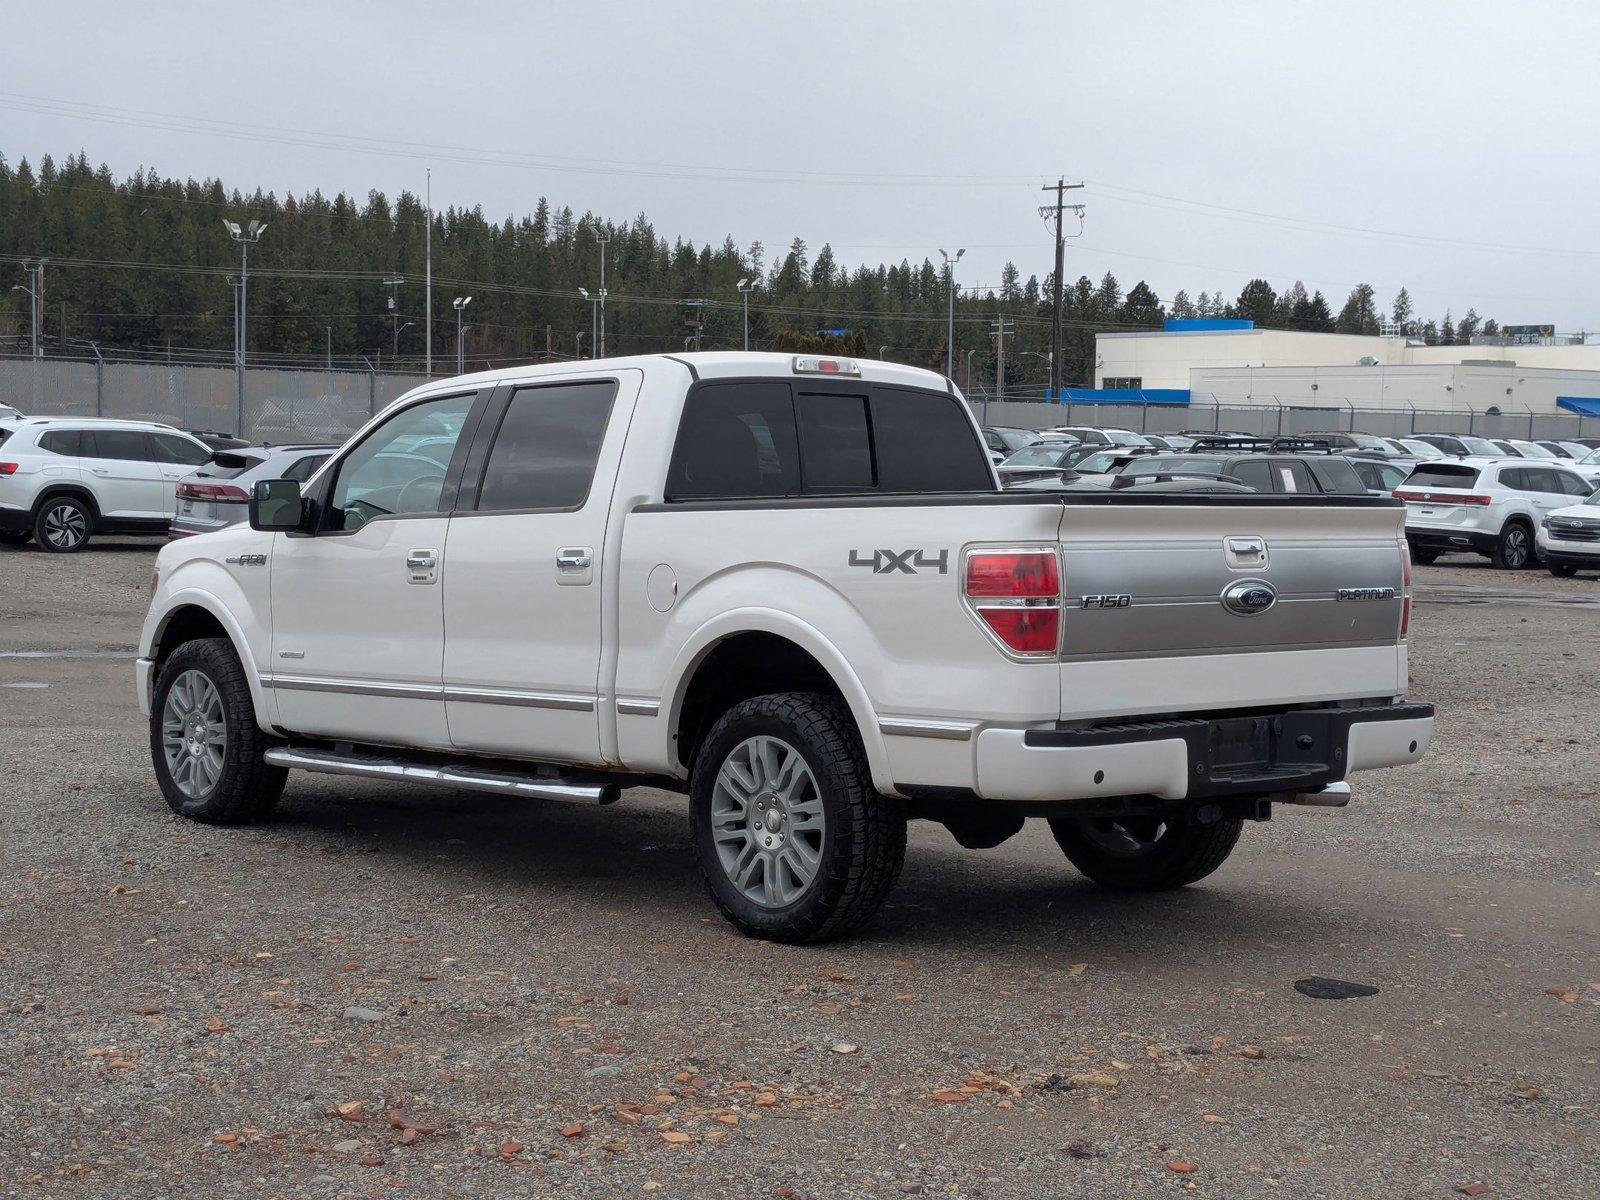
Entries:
{"x":1022,"y":898}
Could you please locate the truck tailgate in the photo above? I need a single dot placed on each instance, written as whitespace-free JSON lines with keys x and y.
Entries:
{"x":1228,"y":605}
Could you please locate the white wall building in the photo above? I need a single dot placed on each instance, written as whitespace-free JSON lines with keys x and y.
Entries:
{"x":1280,"y":366}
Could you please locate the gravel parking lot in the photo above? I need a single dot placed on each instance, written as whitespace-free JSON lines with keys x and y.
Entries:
{"x":399,"y":990}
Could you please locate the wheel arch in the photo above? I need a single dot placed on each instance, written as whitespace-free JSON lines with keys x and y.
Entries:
{"x":76,"y":490}
{"x":192,"y":614}
{"x":757,"y":652}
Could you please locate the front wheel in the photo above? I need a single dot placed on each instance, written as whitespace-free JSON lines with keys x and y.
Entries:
{"x":1562,"y":570}
{"x":793,"y":843}
{"x":1147,"y":853}
{"x":207,"y":750}
{"x":1514,"y":549}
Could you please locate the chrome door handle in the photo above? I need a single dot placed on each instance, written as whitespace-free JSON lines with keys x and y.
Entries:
{"x":421,"y":565}
{"x":573,"y":558}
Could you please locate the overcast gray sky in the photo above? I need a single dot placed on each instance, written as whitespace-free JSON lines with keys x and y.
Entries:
{"x":1449,"y":147}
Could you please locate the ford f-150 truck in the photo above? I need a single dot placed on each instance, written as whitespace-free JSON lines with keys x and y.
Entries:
{"x":791,"y":588}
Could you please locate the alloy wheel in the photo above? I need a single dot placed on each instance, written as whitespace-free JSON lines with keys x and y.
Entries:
{"x":194,"y":734}
{"x":1516,"y":548}
{"x":65,"y":526}
{"x":767,"y":821}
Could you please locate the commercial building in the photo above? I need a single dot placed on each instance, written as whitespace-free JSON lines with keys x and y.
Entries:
{"x":1234,"y":363}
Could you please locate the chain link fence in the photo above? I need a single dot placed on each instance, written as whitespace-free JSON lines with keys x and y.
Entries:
{"x":282,"y":404}
{"x":279,"y":404}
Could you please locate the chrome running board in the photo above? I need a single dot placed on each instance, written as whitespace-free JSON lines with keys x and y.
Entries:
{"x":467,"y":775}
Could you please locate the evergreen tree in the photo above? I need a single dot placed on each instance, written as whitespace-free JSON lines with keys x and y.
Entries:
{"x":1142,"y":307}
{"x":1182,"y":306}
{"x":1447,"y":330}
{"x":1360,"y":312}
{"x":1468,"y":327}
{"x":1400,"y":313}
{"x":1258,"y":303}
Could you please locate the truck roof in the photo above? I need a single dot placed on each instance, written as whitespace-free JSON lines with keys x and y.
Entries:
{"x":720,"y":364}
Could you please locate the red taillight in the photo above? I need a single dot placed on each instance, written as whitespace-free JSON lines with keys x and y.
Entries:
{"x":1434,"y":498}
{"x":1017,"y":595}
{"x":8,"y":468}
{"x":211,"y":491}
{"x":1023,"y":576}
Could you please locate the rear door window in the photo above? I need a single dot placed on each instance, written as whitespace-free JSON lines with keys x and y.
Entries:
{"x":1254,"y":473}
{"x":736,"y":441}
{"x":1516,"y":478}
{"x":127,"y":445}
{"x":1336,"y":475}
{"x":545,"y":451}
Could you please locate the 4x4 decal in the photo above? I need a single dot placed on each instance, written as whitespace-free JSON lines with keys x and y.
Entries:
{"x":904,"y":562}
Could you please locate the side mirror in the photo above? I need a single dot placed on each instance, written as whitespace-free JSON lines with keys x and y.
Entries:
{"x":276,"y":506}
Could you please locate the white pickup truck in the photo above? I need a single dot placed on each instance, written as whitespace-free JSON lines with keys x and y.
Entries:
{"x":790,"y":587}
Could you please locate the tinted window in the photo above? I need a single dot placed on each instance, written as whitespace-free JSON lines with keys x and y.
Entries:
{"x":1542,"y":479}
{"x":1445,"y":475}
{"x":399,"y":469}
{"x":62,"y":441}
{"x":924,"y":443}
{"x":736,"y":440}
{"x":306,"y":467}
{"x":1335,"y":475}
{"x":544,"y":453}
{"x":171,"y":449}
{"x":124,"y":444}
{"x":1516,"y":479}
{"x":1253,"y":474}
{"x":1571,"y":484}
{"x":835,"y":442}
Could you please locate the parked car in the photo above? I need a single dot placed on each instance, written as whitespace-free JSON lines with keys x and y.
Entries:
{"x":1568,"y":450}
{"x":7,"y":413}
{"x":1306,"y":474}
{"x":1035,"y":462}
{"x":217,"y":440}
{"x":1175,"y":442}
{"x":1569,"y":538}
{"x":1493,"y":509}
{"x":1413,"y":447}
{"x":789,"y":587}
{"x":65,"y":479}
{"x":1381,"y":476}
{"x":1462,"y":445}
{"x":217,"y":494}
{"x":1344,"y":439}
{"x":1004,"y":440}
{"x":1516,"y":448}
{"x":1588,"y":466}
{"x":1103,"y":437}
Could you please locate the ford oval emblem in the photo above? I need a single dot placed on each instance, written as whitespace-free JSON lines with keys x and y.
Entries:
{"x":1249,"y":597}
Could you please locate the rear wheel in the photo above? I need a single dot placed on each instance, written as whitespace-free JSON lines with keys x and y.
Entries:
{"x":205,"y":745}
{"x":1562,"y":570}
{"x":1424,"y":555}
{"x":1514,"y":549}
{"x":792,"y":841}
{"x":63,"y":524}
{"x":1147,"y":853}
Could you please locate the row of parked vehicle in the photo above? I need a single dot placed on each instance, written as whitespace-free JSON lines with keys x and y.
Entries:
{"x":65,"y":479}
{"x":1517,"y":503}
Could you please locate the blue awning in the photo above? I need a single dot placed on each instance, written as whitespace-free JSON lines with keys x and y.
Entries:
{"x":1584,"y":406}
{"x":1169,"y":396}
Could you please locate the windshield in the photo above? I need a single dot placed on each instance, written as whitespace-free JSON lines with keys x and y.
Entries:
{"x":1420,"y":448}
{"x":1591,"y":459}
{"x":1366,"y":441}
{"x":1478,"y":445}
{"x":1593,"y":501}
{"x":1097,"y":463}
{"x":1533,"y":450}
{"x":1037,"y":456}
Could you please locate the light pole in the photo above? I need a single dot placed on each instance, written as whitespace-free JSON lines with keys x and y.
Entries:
{"x":459,"y":304}
{"x":600,"y":342}
{"x":950,"y":338}
{"x":246,"y":237}
{"x":33,"y":309}
{"x":596,"y":304}
{"x":577,"y":344}
{"x":745,"y":287}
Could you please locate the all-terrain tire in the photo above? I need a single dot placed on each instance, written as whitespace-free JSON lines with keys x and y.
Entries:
{"x":863,"y":841}
{"x":1186,"y":851}
{"x":246,"y":787}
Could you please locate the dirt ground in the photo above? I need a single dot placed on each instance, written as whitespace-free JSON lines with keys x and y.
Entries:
{"x":547,"y":1003}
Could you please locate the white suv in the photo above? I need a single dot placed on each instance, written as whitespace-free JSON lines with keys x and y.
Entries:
{"x":1492,"y":508}
{"x":65,"y":479}
{"x":1569,"y":538}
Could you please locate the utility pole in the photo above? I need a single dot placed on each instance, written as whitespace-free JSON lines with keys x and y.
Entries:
{"x":602,"y":342}
{"x":36,"y":274}
{"x":950,"y":337}
{"x":246,"y":237}
{"x":1002,"y":330}
{"x":745,"y":286}
{"x":459,"y":304}
{"x":393,"y":282}
{"x":1053,"y":212}
{"x":427,"y":304}
{"x":692,"y":320}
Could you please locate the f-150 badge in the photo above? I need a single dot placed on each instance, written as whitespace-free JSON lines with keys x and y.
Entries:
{"x":903,"y":562}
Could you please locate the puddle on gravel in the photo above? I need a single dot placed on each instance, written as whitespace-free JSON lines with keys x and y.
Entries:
{"x":68,"y":654}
